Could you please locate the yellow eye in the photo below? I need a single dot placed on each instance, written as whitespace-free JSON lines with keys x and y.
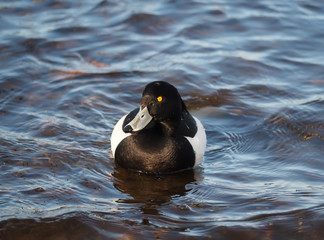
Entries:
{"x":159,"y":99}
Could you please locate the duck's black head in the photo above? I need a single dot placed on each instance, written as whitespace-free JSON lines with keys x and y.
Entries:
{"x":161,"y":103}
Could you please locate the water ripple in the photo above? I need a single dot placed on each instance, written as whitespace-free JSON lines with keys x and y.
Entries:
{"x":252,"y":72}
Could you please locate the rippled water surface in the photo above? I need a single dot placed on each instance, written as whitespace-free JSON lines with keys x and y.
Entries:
{"x":252,"y":71}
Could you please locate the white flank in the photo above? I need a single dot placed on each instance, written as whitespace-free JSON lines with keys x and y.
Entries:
{"x":117,"y":135}
{"x":198,"y":142}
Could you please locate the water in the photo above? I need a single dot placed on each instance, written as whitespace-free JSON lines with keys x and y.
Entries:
{"x":252,"y":71}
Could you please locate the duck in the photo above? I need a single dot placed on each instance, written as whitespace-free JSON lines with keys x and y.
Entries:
{"x":160,"y":136}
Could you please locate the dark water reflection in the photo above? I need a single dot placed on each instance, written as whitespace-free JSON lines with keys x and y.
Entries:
{"x":251,"y":71}
{"x":152,"y":190}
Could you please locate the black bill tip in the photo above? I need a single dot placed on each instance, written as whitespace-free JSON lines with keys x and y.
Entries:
{"x":128,"y":128}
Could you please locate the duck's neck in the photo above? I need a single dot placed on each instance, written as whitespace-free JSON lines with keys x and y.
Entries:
{"x":169,"y":128}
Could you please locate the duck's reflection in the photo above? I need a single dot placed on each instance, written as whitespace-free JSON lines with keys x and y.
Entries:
{"x":152,"y":189}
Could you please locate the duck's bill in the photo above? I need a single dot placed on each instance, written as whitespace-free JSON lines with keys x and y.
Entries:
{"x":140,"y":121}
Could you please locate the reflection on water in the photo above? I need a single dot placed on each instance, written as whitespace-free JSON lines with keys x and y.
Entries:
{"x":152,"y":190}
{"x":251,"y":71}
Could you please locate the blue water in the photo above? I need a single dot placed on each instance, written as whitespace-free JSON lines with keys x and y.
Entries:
{"x":251,"y":71}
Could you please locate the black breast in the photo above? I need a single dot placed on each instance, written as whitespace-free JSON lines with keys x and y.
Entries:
{"x":150,"y":152}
